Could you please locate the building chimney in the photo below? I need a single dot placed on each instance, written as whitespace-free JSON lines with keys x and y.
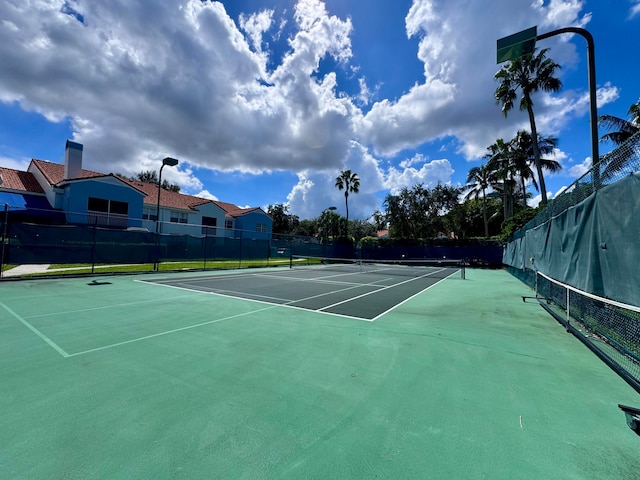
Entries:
{"x":72,"y":160}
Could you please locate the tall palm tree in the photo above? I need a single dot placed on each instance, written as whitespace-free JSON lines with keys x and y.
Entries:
{"x":479,"y":179}
{"x":522,"y":155}
{"x":500,"y":165}
{"x":350,"y":183}
{"x":623,"y":129}
{"x":529,"y":74}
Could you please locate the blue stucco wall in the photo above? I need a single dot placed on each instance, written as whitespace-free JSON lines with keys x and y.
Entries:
{"x":246,"y":225}
{"x":76,"y":196}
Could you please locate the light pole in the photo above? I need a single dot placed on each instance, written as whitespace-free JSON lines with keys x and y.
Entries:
{"x":172,"y":162}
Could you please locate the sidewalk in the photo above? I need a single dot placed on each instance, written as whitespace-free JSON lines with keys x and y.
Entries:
{"x":25,"y":270}
{"x":41,"y":268}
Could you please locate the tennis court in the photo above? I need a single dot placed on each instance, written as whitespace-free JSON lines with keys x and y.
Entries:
{"x":364,"y":291}
{"x":239,"y":375}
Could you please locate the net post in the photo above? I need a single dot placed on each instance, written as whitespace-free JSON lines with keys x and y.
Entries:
{"x":462,"y":269}
{"x":290,"y":261}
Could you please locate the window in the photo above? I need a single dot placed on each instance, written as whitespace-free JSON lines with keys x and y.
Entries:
{"x":98,"y":205}
{"x":101,"y":211}
{"x":228,"y":224}
{"x":209,"y":226}
{"x":179,"y":217}
{"x":118,"y":208}
{"x":261,"y":228}
{"x":149,"y":213}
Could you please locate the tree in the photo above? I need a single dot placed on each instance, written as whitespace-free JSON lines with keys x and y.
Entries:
{"x":283,"y":222}
{"x":379,"y":220}
{"x":479,"y":179}
{"x":151,"y":176}
{"x":522,"y":156}
{"x":419,"y":212}
{"x":530,"y":73}
{"x":502,"y":173}
{"x":328,"y":225}
{"x":623,"y":129}
{"x":350,"y":183}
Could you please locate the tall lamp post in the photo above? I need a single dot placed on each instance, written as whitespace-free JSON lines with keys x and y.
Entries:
{"x":172,"y":162}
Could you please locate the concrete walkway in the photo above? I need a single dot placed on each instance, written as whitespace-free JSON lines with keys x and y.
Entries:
{"x":21,"y":270}
{"x":25,"y":270}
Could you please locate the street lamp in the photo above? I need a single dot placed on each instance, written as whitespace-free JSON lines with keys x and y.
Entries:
{"x":172,"y":162}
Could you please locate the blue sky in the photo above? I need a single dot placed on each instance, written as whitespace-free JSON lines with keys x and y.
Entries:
{"x":266,"y":101}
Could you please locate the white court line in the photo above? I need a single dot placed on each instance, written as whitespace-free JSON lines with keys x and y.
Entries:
{"x":409,"y":298}
{"x":269,"y":306}
{"x":322,"y":279}
{"x":146,"y":337}
{"x":42,"y":336}
{"x":381,"y":289}
{"x":102,"y":307}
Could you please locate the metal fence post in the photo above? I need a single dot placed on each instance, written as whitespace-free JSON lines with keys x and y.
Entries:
{"x":4,"y":236}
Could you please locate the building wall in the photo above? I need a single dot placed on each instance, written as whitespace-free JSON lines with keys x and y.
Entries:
{"x":193,"y":225}
{"x":75,"y":199}
{"x":247,"y":225}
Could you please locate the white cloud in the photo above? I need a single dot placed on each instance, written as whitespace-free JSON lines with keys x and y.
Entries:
{"x":206,"y":194}
{"x":184,"y":79}
{"x":16,"y":164}
{"x":255,"y":25}
{"x":576,"y":171}
{"x":635,"y":9}
{"x":429,"y":174}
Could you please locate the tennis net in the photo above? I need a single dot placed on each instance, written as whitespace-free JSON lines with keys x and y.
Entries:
{"x":611,"y":329}
{"x":402,"y":268}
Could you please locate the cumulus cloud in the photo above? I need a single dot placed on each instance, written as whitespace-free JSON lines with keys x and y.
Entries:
{"x":576,"y":171}
{"x":456,"y":96}
{"x":180,"y":79}
{"x":185,"y":79}
{"x":635,"y":9}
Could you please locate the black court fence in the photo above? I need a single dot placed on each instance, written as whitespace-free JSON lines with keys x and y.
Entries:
{"x":612,"y":167}
{"x":27,"y":243}
{"x":92,"y":245}
{"x":581,"y":254}
{"x":609,"y":328}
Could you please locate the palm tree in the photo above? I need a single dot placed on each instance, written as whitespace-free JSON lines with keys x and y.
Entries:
{"x":522,"y":155}
{"x":349,"y":182}
{"x":530,"y":73}
{"x":479,"y":179}
{"x":502,"y":173}
{"x":624,"y":129}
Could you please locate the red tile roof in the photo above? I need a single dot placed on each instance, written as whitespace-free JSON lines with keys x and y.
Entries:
{"x":19,"y":181}
{"x":54,"y":172}
{"x":167,"y":199}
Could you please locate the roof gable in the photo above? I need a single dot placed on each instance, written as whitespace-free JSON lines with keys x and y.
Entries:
{"x":54,"y":172}
{"x":19,"y":181}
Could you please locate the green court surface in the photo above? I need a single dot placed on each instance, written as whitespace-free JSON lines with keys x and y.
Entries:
{"x":130,"y":380}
